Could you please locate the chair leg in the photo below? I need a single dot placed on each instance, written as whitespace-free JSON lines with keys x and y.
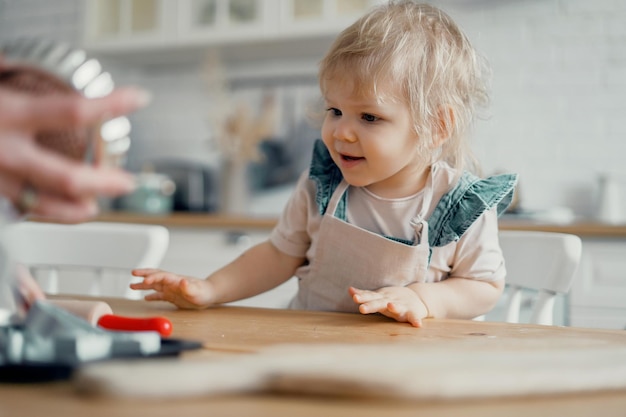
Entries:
{"x":96,"y":283}
{"x":51,"y":281}
{"x":543,"y":312}
{"x":513,"y":305}
{"x":133,"y":294}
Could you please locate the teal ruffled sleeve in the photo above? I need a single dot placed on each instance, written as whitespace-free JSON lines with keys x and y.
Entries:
{"x":460,"y":207}
{"x":327,"y":177}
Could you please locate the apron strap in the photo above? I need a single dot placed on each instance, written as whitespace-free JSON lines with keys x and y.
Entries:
{"x":336,"y":198}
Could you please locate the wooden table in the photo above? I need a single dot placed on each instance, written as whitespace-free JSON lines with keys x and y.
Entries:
{"x":237,"y":330}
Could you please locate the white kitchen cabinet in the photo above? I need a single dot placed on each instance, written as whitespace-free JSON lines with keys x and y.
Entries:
{"x":223,"y":20}
{"x":131,"y":23}
{"x":198,"y":252}
{"x":302,"y":17}
{"x":118,"y":26}
{"x":598,"y":295}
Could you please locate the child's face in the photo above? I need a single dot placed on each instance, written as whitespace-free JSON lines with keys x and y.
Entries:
{"x":373,"y":143}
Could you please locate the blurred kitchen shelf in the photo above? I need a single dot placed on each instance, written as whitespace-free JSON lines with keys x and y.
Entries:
{"x":145,"y":30}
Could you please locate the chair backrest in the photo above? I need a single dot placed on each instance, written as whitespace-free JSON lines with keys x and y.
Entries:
{"x":96,"y":247}
{"x":545,"y":262}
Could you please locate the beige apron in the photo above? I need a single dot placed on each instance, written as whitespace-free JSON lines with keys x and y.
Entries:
{"x":347,"y":255}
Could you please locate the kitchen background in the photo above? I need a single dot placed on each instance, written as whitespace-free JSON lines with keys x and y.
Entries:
{"x":556,"y":118}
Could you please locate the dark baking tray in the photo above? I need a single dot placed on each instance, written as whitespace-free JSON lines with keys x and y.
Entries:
{"x":29,"y":372}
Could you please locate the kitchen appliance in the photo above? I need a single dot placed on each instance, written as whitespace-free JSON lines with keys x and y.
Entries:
{"x":197,"y":184}
{"x":154,"y":195}
{"x":609,"y":200}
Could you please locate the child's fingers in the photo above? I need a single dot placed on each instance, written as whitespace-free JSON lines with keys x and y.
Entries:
{"x":364,"y":296}
{"x":353,"y":290}
{"x":397,"y":311}
{"x":158,"y":281}
{"x":402,"y":313}
{"x":163,"y":277}
{"x":374,"y":306}
{"x":414,"y":319}
{"x":394,"y":308}
{"x":370,"y":301}
{"x":185,"y":288}
{"x":140,"y":272}
{"x":143,"y":285}
{"x":147,"y":283}
{"x":155,"y":296}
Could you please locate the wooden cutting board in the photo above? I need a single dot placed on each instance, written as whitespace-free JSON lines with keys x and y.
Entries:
{"x":381,"y":371}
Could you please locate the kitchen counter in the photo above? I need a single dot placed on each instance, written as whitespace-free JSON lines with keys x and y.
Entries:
{"x":223,"y":221}
{"x":192,"y":220}
{"x":580,"y":228}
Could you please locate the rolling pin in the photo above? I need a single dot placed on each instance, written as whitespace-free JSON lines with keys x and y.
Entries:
{"x":99,"y":313}
{"x":87,"y":310}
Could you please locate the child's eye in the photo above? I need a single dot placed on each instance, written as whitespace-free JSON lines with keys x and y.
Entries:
{"x":334,"y":111}
{"x":369,"y":117}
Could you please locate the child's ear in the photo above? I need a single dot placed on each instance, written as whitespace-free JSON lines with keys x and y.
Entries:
{"x":444,"y":126}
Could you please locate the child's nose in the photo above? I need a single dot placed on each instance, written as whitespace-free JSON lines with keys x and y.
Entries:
{"x":344,"y":131}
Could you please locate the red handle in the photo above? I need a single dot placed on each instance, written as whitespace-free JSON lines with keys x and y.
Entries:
{"x":157,"y":324}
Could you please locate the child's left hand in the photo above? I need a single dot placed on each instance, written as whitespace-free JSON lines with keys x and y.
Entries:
{"x":399,"y":303}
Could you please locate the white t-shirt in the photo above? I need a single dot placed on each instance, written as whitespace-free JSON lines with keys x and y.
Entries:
{"x":476,"y":255}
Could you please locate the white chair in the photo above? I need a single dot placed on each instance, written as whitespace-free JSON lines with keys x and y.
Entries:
{"x":544,"y":262}
{"x":95,"y":250}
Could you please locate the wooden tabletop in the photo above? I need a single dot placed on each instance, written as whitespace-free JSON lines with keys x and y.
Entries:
{"x":239,"y":330}
{"x":248,"y":329}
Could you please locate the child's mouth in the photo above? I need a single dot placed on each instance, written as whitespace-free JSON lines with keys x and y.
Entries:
{"x":351,"y":158}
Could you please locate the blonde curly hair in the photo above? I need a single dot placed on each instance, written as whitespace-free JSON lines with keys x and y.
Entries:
{"x":420,"y":49}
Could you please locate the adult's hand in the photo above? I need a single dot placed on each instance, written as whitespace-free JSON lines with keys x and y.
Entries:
{"x":46,"y":183}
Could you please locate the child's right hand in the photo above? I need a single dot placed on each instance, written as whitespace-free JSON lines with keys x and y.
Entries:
{"x":184,"y":292}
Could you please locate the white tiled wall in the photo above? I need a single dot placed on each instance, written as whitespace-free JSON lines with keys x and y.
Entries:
{"x":559,"y":90}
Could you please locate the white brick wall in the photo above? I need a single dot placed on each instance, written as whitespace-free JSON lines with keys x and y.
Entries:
{"x":559,"y":90}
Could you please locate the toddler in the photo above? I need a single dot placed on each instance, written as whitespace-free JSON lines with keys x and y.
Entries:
{"x":388,"y":219}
